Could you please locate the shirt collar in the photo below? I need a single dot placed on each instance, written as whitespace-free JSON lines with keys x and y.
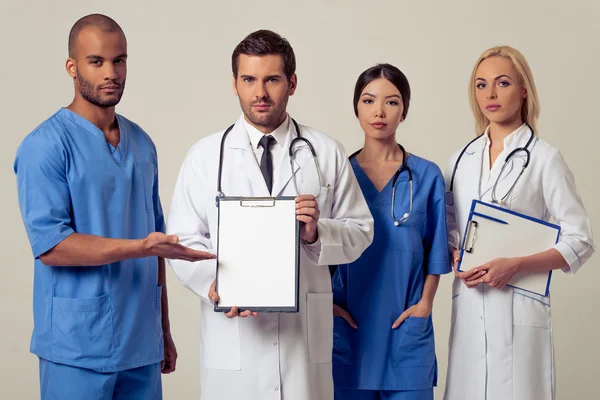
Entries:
{"x":278,"y":134}
{"x":513,"y":140}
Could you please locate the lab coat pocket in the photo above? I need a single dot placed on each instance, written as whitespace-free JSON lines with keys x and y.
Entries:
{"x":82,"y":328}
{"x":323,"y":196}
{"x":344,"y":340}
{"x":530,"y":309}
{"x":413,"y":344}
{"x":456,"y":288}
{"x":220,"y":345}
{"x":148,"y":175}
{"x":532,"y":340}
{"x":320,"y":326}
{"x":325,"y":200}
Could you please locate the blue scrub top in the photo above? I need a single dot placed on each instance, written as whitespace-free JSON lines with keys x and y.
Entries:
{"x":387,"y":279}
{"x":106,"y":317}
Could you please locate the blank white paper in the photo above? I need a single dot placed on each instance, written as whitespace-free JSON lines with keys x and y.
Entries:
{"x":257,"y":253}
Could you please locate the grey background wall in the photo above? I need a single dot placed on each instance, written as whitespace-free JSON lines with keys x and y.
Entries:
{"x":179,"y":90}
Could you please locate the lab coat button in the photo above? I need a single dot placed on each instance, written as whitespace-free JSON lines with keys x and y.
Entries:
{"x":274,"y":343}
{"x":276,"y":388}
{"x":481,"y":318}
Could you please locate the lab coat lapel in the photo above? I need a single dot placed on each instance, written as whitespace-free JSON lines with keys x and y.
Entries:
{"x":469,"y":171}
{"x":285,"y":171}
{"x":512,"y":169}
{"x":243,"y":164}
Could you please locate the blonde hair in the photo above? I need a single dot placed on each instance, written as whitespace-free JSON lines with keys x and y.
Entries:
{"x":531,"y":106}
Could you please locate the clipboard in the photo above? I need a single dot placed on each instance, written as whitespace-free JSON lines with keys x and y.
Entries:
{"x":258,"y":254}
{"x":494,"y":232}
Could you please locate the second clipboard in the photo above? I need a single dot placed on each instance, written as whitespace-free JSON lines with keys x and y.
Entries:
{"x":495,"y":232}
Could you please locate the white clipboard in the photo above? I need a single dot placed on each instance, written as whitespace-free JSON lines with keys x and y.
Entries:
{"x":493,"y":232}
{"x":258,"y":254}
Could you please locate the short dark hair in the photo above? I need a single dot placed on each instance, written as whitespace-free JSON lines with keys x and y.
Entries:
{"x":386,"y":71}
{"x":262,"y":43}
{"x":99,"y":21}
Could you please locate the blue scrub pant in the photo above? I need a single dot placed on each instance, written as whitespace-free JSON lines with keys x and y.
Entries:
{"x":352,"y":394}
{"x":64,"y":382}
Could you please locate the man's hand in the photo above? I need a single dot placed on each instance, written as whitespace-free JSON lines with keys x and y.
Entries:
{"x":234,"y":312}
{"x":161,"y":245}
{"x":168,"y":364}
{"x":307,"y":212}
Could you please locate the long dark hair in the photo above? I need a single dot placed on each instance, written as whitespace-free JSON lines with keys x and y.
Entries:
{"x":386,"y":71}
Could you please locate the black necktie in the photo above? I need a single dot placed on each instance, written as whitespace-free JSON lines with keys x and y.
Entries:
{"x":266,"y":161}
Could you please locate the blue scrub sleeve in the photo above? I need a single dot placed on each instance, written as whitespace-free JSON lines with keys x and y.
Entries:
{"x":436,"y":238}
{"x":43,"y":192}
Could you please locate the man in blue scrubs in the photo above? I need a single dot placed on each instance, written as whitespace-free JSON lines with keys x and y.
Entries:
{"x":88,"y":193}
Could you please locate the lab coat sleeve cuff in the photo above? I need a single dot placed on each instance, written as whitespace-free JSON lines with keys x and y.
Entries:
{"x":570,"y":257}
{"x":50,"y":240}
{"x":319,"y":255}
{"x":453,"y":239}
{"x":338,"y":246}
{"x":313,"y":250}
{"x":197,"y":276}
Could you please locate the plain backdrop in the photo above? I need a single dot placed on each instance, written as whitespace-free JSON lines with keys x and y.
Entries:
{"x":179,"y":90}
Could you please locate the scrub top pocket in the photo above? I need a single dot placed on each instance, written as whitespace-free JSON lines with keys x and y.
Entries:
{"x":413,"y":344}
{"x":344,"y":340}
{"x":82,"y":328}
{"x":148,"y":174}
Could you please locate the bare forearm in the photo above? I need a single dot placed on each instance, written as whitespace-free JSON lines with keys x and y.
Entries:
{"x":542,"y":262}
{"x":162,"y":280}
{"x":80,"y":250}
{"x":430,"y":288}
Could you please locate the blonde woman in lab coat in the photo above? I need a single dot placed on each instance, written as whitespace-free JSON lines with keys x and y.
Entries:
{"x":501,"y":345}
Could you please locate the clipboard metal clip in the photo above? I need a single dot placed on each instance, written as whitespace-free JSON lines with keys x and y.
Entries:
{"x":471,"y":236}
{"x":257,"y":202}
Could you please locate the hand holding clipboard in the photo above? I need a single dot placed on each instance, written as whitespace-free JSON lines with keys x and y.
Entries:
{"x":494,"y":237}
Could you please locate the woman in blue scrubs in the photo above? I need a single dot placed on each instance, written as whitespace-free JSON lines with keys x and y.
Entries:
{"x":383,"y":331}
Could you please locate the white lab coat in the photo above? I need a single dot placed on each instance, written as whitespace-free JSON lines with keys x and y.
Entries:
{"x":501,"y":345}
{"x":275,"y":355}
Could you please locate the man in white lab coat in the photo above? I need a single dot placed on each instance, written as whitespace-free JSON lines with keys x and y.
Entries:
{"x":271,"y":355}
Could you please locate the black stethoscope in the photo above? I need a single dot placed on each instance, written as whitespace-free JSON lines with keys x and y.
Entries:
{"x":298,"y":138}
{"x":525,"y":149}
{"x":403,"y":167}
